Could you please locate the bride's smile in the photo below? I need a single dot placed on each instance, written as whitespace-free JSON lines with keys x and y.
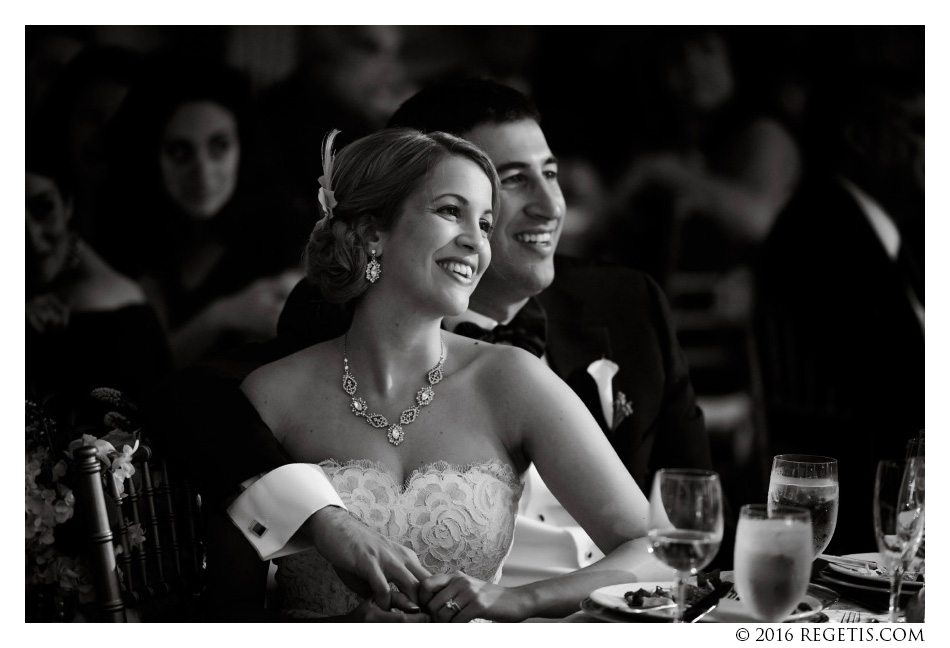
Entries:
{"x":438,"y":249}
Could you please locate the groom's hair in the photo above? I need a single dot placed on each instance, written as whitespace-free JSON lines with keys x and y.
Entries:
{"x":459,"y":105}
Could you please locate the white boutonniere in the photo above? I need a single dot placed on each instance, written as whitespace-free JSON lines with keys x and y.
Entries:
{"x":615,"y":410}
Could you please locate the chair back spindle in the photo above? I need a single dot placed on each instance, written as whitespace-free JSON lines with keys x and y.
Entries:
{"x":109,"y":604}
{"x":170,"y":522}
{"x":122,"y":527}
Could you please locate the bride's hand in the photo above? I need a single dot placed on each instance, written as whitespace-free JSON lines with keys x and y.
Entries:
{"x":369,"y":612}
{"x":475,"y":599}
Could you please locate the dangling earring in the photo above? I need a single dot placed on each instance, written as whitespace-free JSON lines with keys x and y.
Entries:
{"x":373,"y":269}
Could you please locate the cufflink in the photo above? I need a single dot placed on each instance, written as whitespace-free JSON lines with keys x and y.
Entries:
{"x":258,"y":529}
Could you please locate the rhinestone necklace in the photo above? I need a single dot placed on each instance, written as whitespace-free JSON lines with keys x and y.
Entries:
{"x":424,"y":397}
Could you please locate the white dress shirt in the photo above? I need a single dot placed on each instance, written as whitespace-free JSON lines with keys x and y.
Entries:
{"x":275,"y":505}
{"x":887,"y":234}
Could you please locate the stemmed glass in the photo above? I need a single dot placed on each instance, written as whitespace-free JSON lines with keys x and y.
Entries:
{"x":685,"y":523}
{"x":811,"y":482}
{"x":898,"y":519}
{"x":915,"y":448}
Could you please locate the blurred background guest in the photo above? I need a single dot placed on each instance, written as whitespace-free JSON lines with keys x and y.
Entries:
{"x":719,"y":167}
{"x":82,"y":102}
{"x":351,"y":78}
{"x":87,"y":325}
{"x":840,"y":292}
{"x":187,"y":219}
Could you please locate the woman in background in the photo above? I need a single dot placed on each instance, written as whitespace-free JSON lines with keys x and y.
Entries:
{"x":87,"y":325}
{"x":186,"y":220}
{"x":719,"y":169}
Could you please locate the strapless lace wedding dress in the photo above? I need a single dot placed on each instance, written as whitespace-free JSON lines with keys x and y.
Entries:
{"x":456,"y":518}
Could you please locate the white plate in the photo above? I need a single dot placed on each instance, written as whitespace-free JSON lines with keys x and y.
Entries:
{"x":868,"y":575}
{"x":869,"y":587}
{"x":611,"y":601}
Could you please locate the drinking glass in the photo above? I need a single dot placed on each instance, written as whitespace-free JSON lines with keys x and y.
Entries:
{"x":685,"y":523}
{"x":811,"y":482}
{"x":915,"y":448}
{"x":772,"y":559}
{"x":898,"y":519}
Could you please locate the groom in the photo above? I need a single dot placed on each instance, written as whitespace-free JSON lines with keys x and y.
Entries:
{"x":584,"y":320}
{"x":606,"y":332}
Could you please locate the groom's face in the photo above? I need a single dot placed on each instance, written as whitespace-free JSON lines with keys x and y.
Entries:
{"x":532,"y":206}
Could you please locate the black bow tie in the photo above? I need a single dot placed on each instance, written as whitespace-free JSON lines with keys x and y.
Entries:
{"x":528,"y":330}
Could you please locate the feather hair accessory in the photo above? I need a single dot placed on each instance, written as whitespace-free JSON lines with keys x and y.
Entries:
{"x":325,"y":194}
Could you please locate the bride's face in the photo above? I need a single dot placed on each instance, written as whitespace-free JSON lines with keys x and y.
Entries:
{"x":438,"y":248}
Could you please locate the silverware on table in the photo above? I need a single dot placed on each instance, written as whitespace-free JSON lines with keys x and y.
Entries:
{"x":849,"y":562}
{"x":707,"y":604}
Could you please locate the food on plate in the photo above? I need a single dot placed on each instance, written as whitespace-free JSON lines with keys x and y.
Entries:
{"x":660,"y":596}
{"x":646,"y":599}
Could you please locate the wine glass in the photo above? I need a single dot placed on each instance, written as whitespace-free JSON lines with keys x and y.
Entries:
{"x":811,"y":482}
{"x":915,"y":448}
{"x":685,"y":523}
{"x":772,"y":558}
{"x":898,"y":519}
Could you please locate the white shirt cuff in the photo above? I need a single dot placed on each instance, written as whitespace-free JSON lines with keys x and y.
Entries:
{"x":272,"y":508}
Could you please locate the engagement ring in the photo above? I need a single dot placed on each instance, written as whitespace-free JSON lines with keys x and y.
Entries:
{"x":452,"y":605}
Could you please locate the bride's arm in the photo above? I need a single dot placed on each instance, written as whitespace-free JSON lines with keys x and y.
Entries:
{"x":551,"y":426}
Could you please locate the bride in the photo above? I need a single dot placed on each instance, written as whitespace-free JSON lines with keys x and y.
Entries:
{"x":426,"y":434}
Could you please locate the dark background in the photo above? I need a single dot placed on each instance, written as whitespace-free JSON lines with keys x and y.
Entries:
{"x":599,"y":92}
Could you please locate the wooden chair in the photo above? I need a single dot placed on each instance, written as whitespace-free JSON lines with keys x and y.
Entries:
{"x":162,"y":579}
{"x":714,"y":327}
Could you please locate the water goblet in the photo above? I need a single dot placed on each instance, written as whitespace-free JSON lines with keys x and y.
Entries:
{"x":809,"y":481}
{"x":686,"y":523}
{"x":898,"y":520}
{"x":772,"y":558}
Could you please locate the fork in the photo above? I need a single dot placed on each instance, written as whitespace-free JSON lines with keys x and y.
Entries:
{"x":851,"y":616}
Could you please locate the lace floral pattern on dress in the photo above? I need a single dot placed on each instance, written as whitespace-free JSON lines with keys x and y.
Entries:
{"x":455,"y":518}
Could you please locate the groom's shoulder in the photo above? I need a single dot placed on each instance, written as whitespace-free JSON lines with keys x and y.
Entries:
{"x":592,"y":282}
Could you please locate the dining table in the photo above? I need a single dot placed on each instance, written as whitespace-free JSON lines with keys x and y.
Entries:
{"x":849,"y":604}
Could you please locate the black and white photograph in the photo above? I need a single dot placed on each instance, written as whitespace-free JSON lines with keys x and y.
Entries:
{"x":558,"y":323}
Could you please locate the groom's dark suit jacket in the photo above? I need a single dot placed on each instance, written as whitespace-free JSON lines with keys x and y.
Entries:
{"x":842,"y":351}
{"x":621,"y":314}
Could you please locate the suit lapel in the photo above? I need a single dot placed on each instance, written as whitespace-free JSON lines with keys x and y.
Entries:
{"x":571,"y":349}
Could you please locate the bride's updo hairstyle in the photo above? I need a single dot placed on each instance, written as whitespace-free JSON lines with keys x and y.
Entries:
{"x":370,"y":181}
